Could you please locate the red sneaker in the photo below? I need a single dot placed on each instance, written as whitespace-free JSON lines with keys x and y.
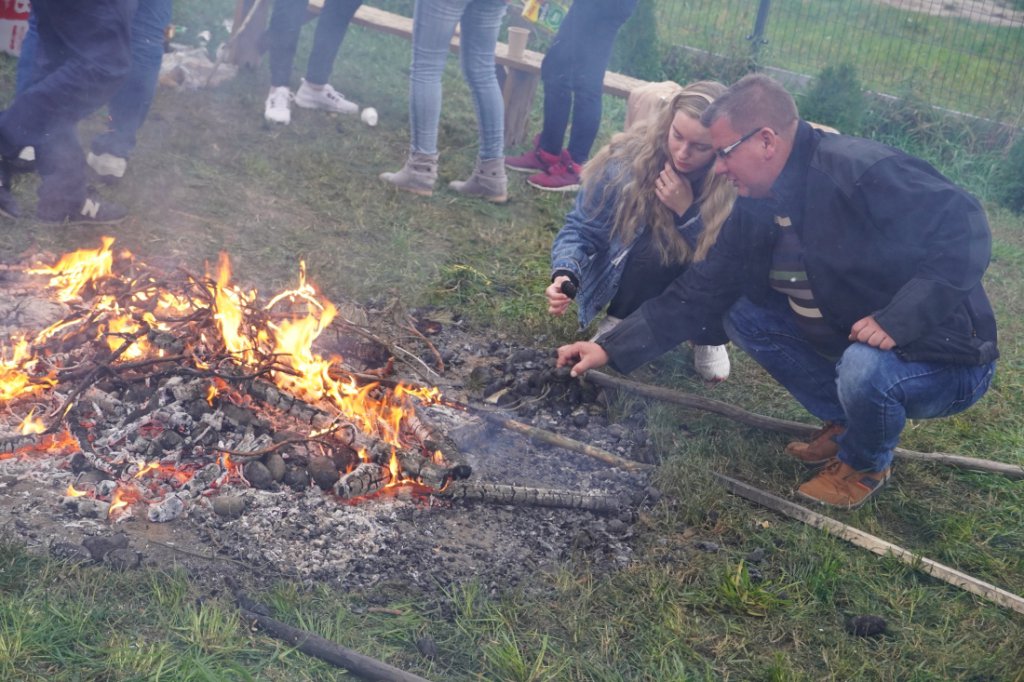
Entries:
{"x":532,"y":161}
{"x":564,"y":176}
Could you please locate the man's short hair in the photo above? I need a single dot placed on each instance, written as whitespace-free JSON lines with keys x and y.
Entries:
{"x":752,"y":101}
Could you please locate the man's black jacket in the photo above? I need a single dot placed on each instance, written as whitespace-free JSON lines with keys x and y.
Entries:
{"x":883,"y":234}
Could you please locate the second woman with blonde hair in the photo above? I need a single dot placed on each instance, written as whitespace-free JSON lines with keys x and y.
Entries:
{"x":649,"y":206}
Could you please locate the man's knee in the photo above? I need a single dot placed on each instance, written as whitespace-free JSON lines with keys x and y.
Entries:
{"x":861,"y":370}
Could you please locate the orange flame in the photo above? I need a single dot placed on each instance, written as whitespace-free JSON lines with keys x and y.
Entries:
{"x":15,"y":378}
{"x":75,"y":270}
{"x":31,"y":424}
{"x":72,"y":492}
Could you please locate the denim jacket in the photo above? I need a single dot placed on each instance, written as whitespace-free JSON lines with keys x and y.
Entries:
{"x":587,"y":249}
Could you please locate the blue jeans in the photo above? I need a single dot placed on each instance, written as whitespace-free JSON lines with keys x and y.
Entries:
{"x":433,"y":25}
{"x":873,"y":392}
{"x":129,"y":106}
{"x":82,"y":57}
{"x":285,"y":25}
{"x":573,"y":74}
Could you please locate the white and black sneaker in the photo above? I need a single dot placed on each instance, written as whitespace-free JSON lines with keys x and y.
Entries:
{"x":278,"y":108}
{"x":93,"y":211}
{"x":324,"y":97}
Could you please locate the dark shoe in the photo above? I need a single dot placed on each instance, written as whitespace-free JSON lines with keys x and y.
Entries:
{"x":8,"y":205}
{"x":822,"y":447}
{"x":840,"y":485}
{"x":564,"y":176}
{"x":93,"y":212}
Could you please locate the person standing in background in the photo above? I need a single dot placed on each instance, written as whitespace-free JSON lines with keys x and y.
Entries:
{"x":434,"y":24}
{"x":83,"y":56}
{"x":128,"y":108}
{"x":573,"y":74}
{"x":314,"y":92}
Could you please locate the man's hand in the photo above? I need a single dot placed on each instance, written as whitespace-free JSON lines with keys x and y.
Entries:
{"x":582,"y":355}
{"x":673,"y":190}
{"x":868,"y":331}
{"x":558,"y":302}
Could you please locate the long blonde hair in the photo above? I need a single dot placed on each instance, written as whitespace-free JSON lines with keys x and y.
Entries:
{"x":636,"y":157}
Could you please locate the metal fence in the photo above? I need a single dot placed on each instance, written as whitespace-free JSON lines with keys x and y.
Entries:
{"x":963,"y":56}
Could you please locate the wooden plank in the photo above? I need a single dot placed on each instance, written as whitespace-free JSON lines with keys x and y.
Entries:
{"x":615,"y":84}
{"x":874,"y":544}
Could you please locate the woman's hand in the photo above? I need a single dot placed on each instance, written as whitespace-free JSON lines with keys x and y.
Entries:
{"x":558,"y":302}
{"x":673,"y":190}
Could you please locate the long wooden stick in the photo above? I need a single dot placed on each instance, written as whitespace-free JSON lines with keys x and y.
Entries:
{"x":793,"y":428}
{"x":561,"y":441}
{"x":314,"y":645}
{"x":874,"y":544}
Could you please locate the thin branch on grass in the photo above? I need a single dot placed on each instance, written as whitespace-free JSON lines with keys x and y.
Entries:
{"x":314,"y":645}
{"x":874,"y":544}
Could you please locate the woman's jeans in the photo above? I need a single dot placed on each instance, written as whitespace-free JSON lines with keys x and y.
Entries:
{"x":873,"y":392}
{"x":285,"y":25}
{"x":573,"y":74}
{"x":130,"y":104}
{"x":433,"y":25}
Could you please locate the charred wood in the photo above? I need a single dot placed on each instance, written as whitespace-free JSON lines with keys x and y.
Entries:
{"x":365,"y":479}
{"x":500,"y":493}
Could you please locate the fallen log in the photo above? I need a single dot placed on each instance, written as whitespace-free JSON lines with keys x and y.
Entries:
{"x":790,"y":427}
{"x":503,"y":493}
{"x":316,"y":646}
{"x":874,"y":544}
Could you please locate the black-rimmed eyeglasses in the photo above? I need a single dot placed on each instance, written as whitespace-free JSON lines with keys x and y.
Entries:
{"x":724,"y":152}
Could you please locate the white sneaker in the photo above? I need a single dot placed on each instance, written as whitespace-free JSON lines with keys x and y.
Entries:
{"x":711,"y":362}
{"x":604,"y":326}
{"x":326,"y":98}
{"x":279,"y":105}
{"x":107,"y":165}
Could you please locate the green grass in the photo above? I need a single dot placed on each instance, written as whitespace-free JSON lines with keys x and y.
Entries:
{"x":966,"y":66}
{"x":209,"y":175}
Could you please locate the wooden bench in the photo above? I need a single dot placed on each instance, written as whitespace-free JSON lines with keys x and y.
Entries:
{"x":518,"y":90}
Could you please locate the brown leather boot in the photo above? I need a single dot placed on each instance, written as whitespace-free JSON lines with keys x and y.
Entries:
{"x":821,"y":448}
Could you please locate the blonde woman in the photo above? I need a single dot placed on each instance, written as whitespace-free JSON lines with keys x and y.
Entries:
{"x":649,"y":206}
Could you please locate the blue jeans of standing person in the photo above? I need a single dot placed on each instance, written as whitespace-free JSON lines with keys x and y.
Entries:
{"x":872,"y":392}
{"x":83,"y":55}
{"x":129,"y":106}
{"x":433,"y":25}
{"x":285,"y":25}
{"x":573,"y":74}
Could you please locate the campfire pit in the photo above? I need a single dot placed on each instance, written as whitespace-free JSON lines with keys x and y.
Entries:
{"x":151,"y":399}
